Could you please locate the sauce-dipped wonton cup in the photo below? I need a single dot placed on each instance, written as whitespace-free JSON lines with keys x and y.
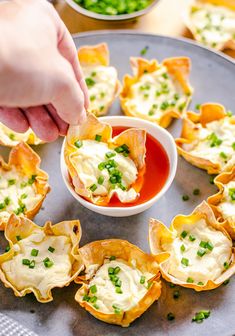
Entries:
{"x":101,"y":78}
{"x":212,"y":22}
{"x":208,"y":139}
{"x":157,"y":92}
{"x":101,"y":166}
{"x":195,"y":252}
{"x":10,"y":138}
{"x":23,"y":185}
{"x":39,"y":259}
{"x":223,"y":202}
{"x":120,"y":282}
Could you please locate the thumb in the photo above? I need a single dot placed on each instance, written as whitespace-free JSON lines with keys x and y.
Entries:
{"x":68,"y":98}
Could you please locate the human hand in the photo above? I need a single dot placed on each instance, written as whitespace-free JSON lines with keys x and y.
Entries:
{"x":41,"y":82}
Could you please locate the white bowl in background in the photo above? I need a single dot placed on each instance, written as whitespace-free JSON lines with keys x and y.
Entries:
{"x":157,"y":132}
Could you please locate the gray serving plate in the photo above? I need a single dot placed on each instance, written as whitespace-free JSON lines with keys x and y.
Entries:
{"x":213,"y":78}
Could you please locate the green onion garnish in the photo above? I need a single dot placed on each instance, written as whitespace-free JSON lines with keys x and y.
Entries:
{"x":201,"y":253}
{"x":78,"y":143}
{"x":112,"y":258}
{"x":34,"y":253}
{"x":142,"y":279}
{"x":231,"y":193}
{"x":170,"y":316}
{"x":89,"y":82}
{"x":101,"y":180}
{"x":93,"y":187}
{"x":93,"y":289}
{"x":98,"y":137}
{"x":190,"y":280}
{"x":226,"y":265}
{"x":117,"y":310}
{"x":51,"y":249}
{"x":110,"y":154}
{"x":11,"y":182}
{"x":185,"y":197}
{"x":200,"y":316}
{"x":223,"y":155}
{"x":18,"y":238}
{"x":182,"y":248}
{"x":118,"y":290}
{"x":214,"y":140}
{"x":183,"y":234}
{"x":176,"y":294}
{"x":32,"y":179}
{"x":185,"y":262}
{"x":192,"y":238}
{"x":200,"y":283}
{"x":26,"y":262}
{"x":196,"y":191}
{"x":32,"y":264}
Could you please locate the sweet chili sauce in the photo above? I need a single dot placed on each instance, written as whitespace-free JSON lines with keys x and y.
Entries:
{"x":156,"y":173}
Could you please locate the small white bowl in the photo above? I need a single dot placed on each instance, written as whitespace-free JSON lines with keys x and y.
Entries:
{"x":159,"y":134}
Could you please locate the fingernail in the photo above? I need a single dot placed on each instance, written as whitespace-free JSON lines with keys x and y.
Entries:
{"x":82,"y":117}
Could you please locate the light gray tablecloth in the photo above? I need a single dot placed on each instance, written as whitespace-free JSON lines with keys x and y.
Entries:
{"x":9,"y":327}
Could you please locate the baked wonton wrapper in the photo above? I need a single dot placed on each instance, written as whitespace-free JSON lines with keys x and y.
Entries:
{"x":27,"y":176}
{"x":193,"y":124}
{"x":10,"y":138}
{"x":161,"y":237}
{"x":95,"y":254}
{"x":101,"y":78}
{"x":20,"y":228}
{"x":216,"y":201}
{"x":164,"y":103}
{"x":133,"y":138}
{"x":218,"y":33}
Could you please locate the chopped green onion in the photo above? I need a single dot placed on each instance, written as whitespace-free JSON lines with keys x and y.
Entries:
{"x":212,"y":179}
{"x":196,"y":191}
{"x":98,"y":137}
{"x":176,"y":294}
{"x":144,"y":51}
{"x":231,"y":193}
{"x":118,"y":290}
{"x":203,"y":244}
{"x":7,"y":249}
{"x":34,"y":252}
{"x":200,"y":316}
{"x":112,"y":258}
{"x":93,"y":187}
{"x":2,"y":206}
{"x":164,"y":105}
{"x":190,"y":280}
{"x":184,"y":234}
{"x":26,"y":262}
{"x":93,"y":289}
{"x":142,"y":279}
{"x":23,"y":185}
{"x":32,"y":179}
{"x":110,"y":154}
{"x":93,"y":299}
{"x":192,"y":238}
{"x":23,"y":196}
{"x":18,"y":238}
{"x":185,"y":262}
{"x":200,"y":283}
{"x":185,"y":197}
{"x":78,"y":143}
{"x":171,"y":285}
{"x":214,"y":140}
{"x":226,"y":265}
{"x":101,"y":166}
{"x":226,"y":282}
{"x":32,"y":264}
{"x":117,"y":310}
{"x":48,"y":263}
{"x":11,"y":182}
{"x":89,"y":82}
{"x":223,"y":155}
{"x":165,"y":75}
{"x":209,"y":246}
{"x":201,"y":253}
{"x":117,"y":270}
{"x":7,"y":201}
{"x":11,"y":136}
{"x":51,"y":249}
{"x":170,"y":316}
{"x":96,"y":306}
{"x":233,"y":145}
{"x":101,"y":180}
{"x":111,"y":270}
{"x":182,"y":248}
{"x":176,"y":96}
{"x":93,"y":74}
{"x":229,"y":113}
{"x":197,"y":106}
{"x":86,"y":298}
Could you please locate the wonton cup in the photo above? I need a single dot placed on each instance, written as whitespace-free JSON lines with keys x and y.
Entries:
{"x":177,"y":67}
{"x":23,"y":227}
{"x":26,"y":162}
{"x":94,"y":56}
{"x":10,"y":138}
{"x":229,"y":4}
{"x":214,"y":201}
{"x":95,"y":253}
{"x":133,"y":138}
{"x":159,"y":235}
{"x":208,"y":112}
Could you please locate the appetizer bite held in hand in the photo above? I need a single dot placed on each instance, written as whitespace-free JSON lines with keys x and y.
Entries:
{"x":101,"y":166}
{"x":101,"y":78}
{"x":157,"y":92}
{"x":212,"y":22}
{"x":208,"y":139}
{"x":223,"y":203}
{"x":195,"y":252}
{"x":23,"y":185}
{"x":11,"y":138}
{"x":120,"y":283}
{"x":39,"y":259}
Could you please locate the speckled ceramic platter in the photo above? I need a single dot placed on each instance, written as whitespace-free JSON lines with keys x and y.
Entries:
{"x":213,"y":78}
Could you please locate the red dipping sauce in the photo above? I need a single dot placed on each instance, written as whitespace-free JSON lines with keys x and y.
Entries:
{"x":156,"y":174}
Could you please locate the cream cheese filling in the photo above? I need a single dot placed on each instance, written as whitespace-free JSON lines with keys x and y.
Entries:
{"x":101,"y":82}
{"x":155,"y":93}
{"x":87,"y":161}
{"x":189,"y":265}
{"x":40,"y":277}
{"x":17,"y":193}
{"x":215,"y":142}
{"x":118,"y":286}
{"x":214,"y":25}
{"x":227,"y":205}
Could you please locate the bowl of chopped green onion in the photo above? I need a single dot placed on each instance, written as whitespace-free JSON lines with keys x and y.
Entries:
{"x":112,"y":10}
